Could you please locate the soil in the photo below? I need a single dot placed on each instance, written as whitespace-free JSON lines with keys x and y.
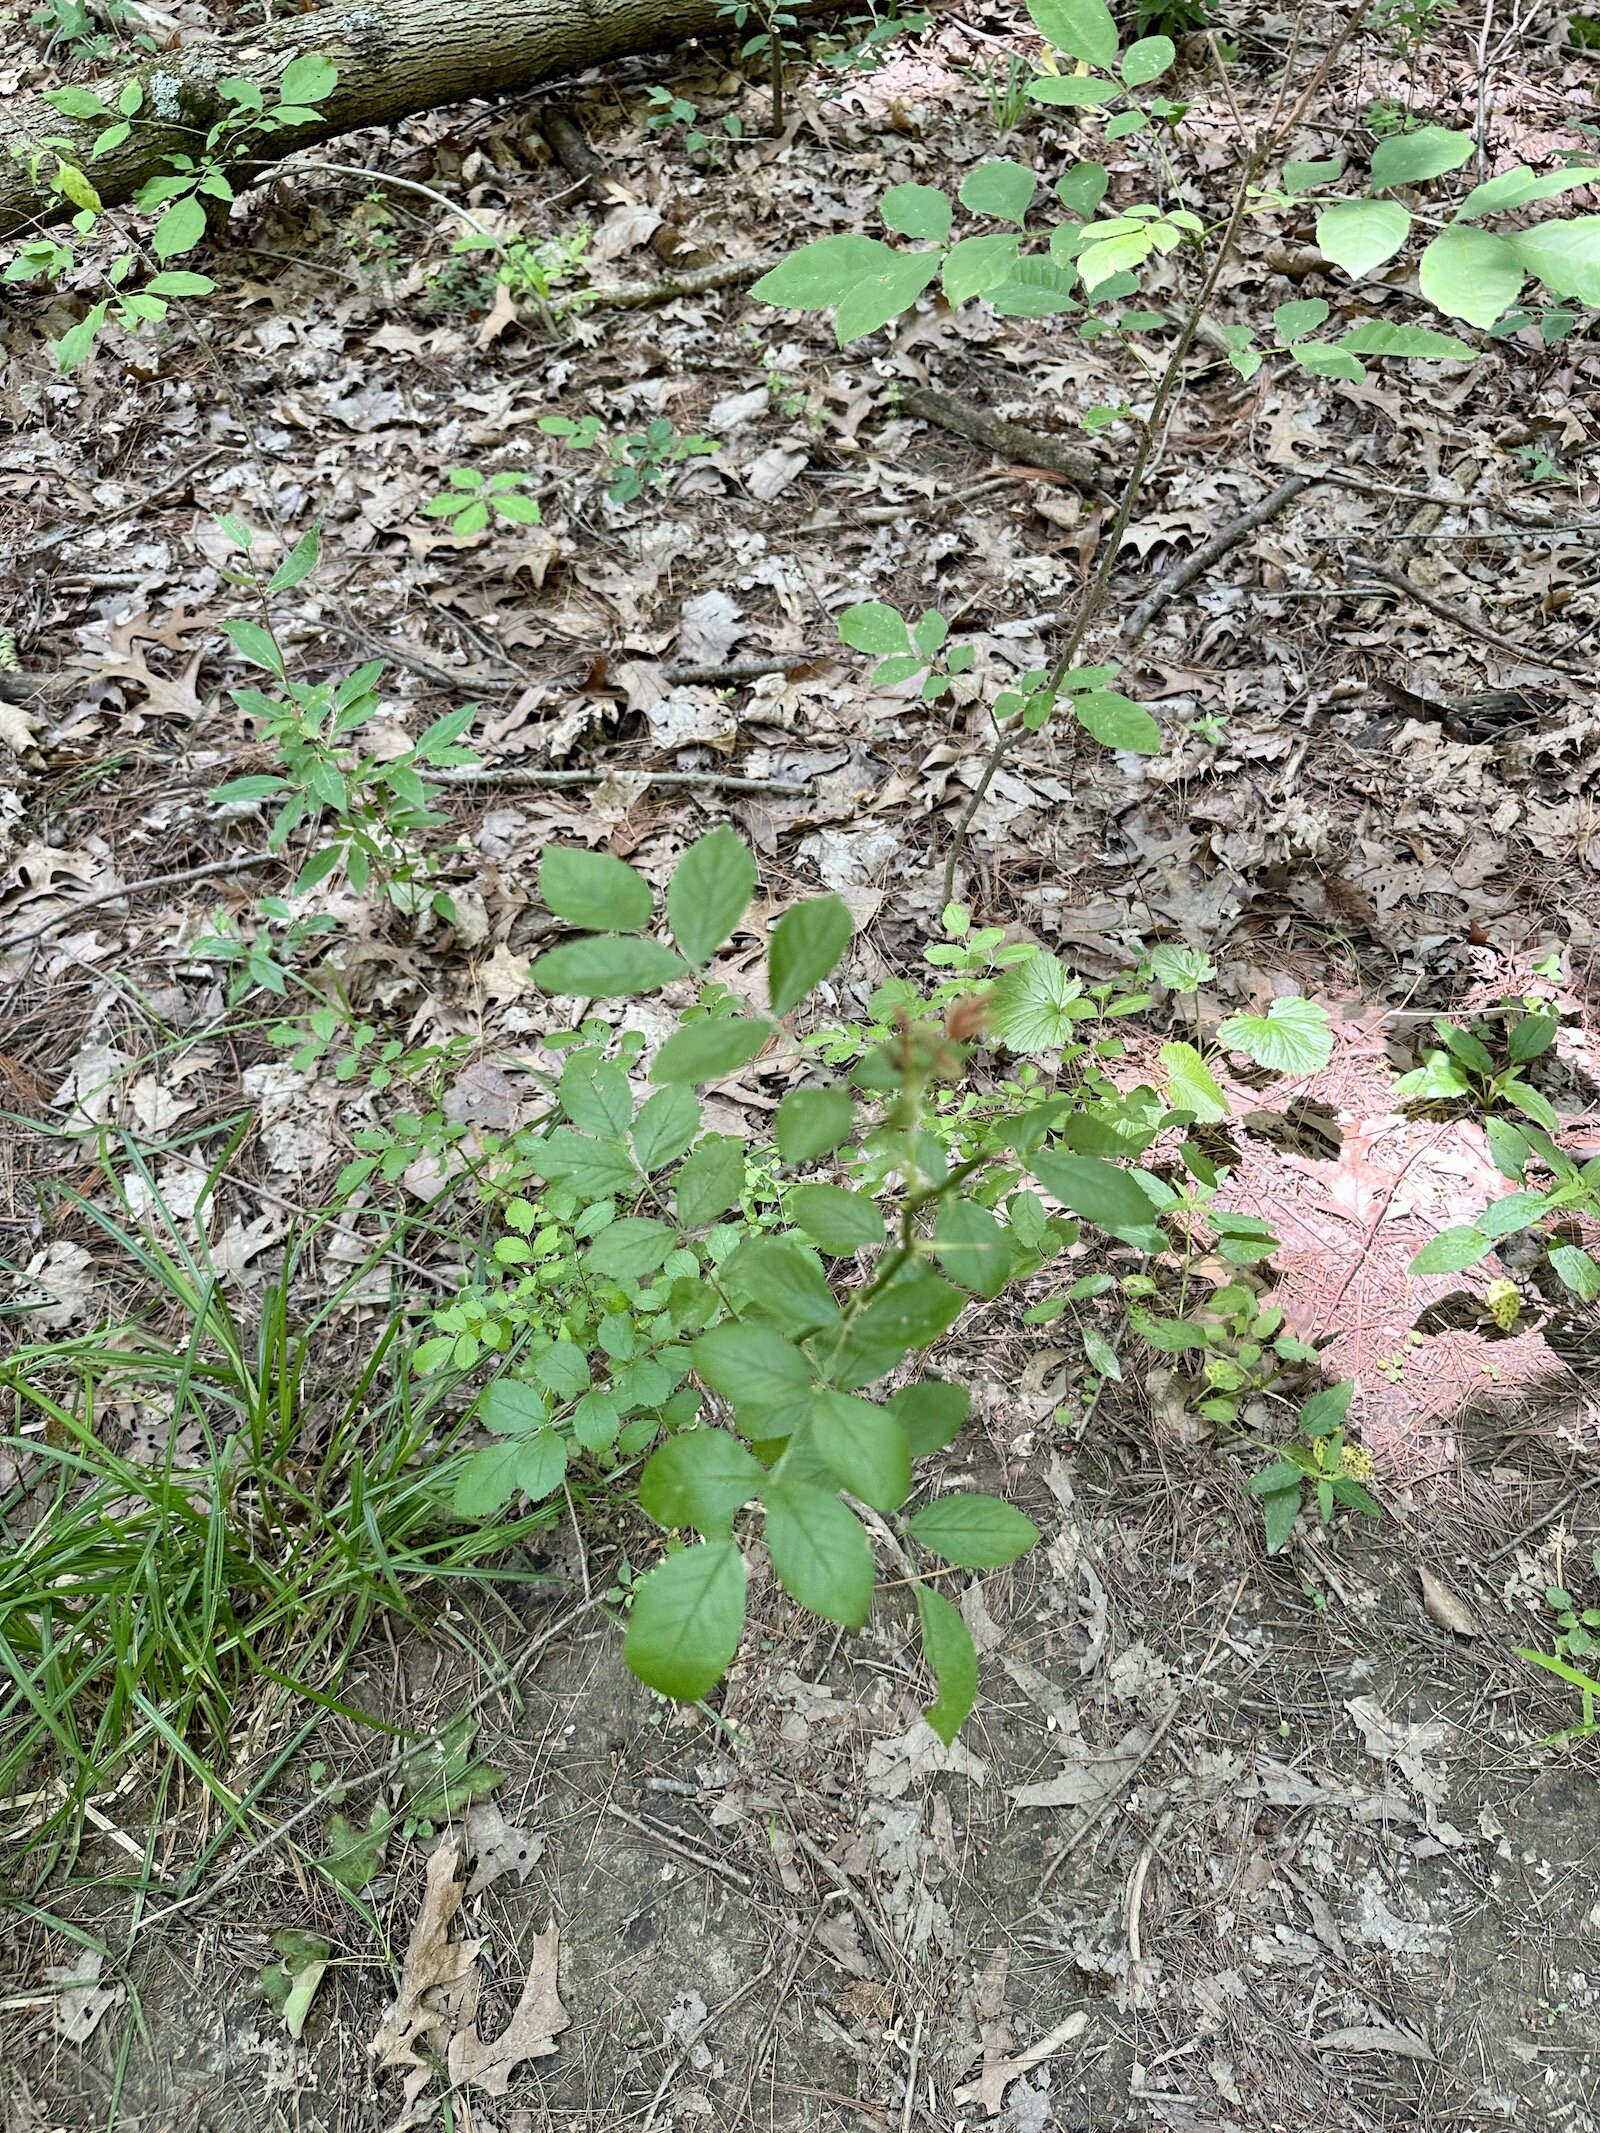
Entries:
{"x":1366,"y":1893}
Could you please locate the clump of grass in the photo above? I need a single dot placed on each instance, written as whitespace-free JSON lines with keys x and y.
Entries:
{"x":146,"y":1595}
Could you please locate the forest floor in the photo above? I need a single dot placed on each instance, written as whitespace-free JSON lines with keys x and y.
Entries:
{"x":1230,"y":1842}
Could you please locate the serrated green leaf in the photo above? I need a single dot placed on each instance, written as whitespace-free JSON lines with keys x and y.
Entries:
{"x":865,"y":1447}
{"x":972,"y":1247}
{"x":952,"y":1660}
{"x":772,"y":1279}
{"x":631,"y":1248}
{"x":1278,"y":1514}
{"x":1102,"y":1194}
{"x":563,"y":1369}
{"x":593,"y":1168}
{"x":910,"y":1313}
{"x":709,"y":1051}
{"x":812,"y":1122}
{"x":667,"y":1123}
{"x":512,"y":1408}
{"x":841,"y":1221}
{"x":1292,"y":1037}
{"x":594,"y":890}
{"x":607,"y":966}
{"x":763,"y":1377}
{"x":1035,"y":1005}
{"x":596,"y":1096}
{"x":1191,"y":1085}
{"x":930,"y":1414}
{"x":806,"y":944}
{"x":1376,"y":337}
{"x":686,"y":1622}
{"x":1577,"y":1270}
{"x":820,"y":1553}
{"x":700,"y":1478}
{"x":710,"y":1181}
{"x":975,"y":1531}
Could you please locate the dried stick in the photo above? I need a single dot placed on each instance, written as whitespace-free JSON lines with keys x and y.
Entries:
{"x":1404,"y":587}
{"x":530,"y":780}
{"x":180,"y":880}
{"x":1184,"y":574}
{"x":677,"y":1846}
{"x":1009,"y":440}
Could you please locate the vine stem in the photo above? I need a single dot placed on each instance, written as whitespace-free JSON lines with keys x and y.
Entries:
{"x":1089,"y":611}
{"x":1095,"y":598}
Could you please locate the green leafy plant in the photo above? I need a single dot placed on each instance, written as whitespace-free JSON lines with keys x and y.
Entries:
{"x":667,"y":110}
{"x":766,"y":26}
{"x":1319,"y":1465}
{"x":473,"y":498}
{"x":376,"y":807}
{"x":1577,"y":1637}
{"x":860,"y":43}
{"x":181,"y":198}
{"x":531,"y":273}
{"x":1482,"y":1068}
{"x":641,"y":460}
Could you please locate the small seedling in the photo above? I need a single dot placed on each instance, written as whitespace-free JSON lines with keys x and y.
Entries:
{"x":641,"y":460}
{"x":473,"y":498}
{"x":1318,"y":1463}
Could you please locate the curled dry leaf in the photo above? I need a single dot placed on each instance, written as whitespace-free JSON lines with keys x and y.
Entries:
{"x":537,"y":2020}
{"x":437,"y":1978}
{"x":1441,"y":1605}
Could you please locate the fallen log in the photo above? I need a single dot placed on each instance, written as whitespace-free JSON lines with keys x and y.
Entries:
{"x":394,"y":58}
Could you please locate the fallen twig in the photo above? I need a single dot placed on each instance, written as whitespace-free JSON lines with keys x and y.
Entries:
{"x":1545,"y":1518}
{"x":1183,"y":574}
{"x":1008,"y":439}
{"x":706,"y":780}
{"x":670,"y":1843}
{"x":179,"y":880}
{"x":693,"y":281}
{"x":1395,"y":583}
